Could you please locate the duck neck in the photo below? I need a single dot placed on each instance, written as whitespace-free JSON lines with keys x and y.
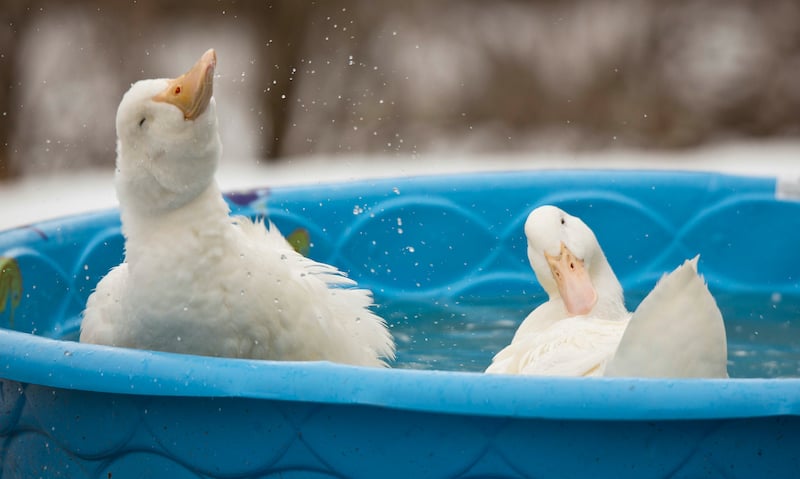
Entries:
{"x":201,"y":216}
{"x":610,"y":297}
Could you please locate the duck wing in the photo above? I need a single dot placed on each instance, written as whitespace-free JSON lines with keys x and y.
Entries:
{"x":575,"y":346}
{"x":676,"y":332}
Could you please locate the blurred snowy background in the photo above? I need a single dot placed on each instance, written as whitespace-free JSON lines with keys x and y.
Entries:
{"x":316,"y":91}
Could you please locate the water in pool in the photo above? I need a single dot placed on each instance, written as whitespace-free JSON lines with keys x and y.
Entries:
{"x":763,"y":333}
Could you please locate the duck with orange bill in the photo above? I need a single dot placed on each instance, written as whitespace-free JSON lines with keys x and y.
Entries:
{"x":584,"y":329}
{"x":196,"y":280}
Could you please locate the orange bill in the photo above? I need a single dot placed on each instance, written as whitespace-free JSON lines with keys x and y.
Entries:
{"x":573,"y":281}
{"x":191,"y":92}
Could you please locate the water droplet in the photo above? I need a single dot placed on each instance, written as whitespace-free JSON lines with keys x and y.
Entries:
{"x":396,"y":190}
{"x":179,"y":339}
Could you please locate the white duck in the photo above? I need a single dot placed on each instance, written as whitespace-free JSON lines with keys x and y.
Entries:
{"x":585,"y":330}
{"x":197,"y":281}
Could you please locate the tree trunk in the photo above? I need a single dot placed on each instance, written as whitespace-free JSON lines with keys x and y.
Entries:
{"x":13,"y":17}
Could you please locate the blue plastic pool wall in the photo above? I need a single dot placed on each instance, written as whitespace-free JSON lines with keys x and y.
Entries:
{"x":420,"y":239}
{"x":425,"y":239}
{"x":182,"y":438}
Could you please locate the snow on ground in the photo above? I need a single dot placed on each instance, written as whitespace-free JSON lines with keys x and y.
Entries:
{"x":32,"y":199}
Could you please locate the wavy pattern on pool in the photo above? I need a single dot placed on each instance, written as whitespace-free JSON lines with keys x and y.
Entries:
{"x":454,"y":242}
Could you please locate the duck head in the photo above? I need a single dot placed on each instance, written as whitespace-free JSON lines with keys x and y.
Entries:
{"x":570,"y":265}
{"x":168,"y":145}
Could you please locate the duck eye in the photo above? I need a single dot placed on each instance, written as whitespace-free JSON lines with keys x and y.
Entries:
{"x":141,"y":122}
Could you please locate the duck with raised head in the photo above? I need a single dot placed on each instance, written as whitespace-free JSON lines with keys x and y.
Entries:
{"x":196,"y":280}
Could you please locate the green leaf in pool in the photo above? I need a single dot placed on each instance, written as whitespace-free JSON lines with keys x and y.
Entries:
{"x":10,"y":286}
{"x":300,"y":241}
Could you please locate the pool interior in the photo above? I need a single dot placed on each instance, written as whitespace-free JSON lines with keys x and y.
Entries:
{"x":763,"y":332}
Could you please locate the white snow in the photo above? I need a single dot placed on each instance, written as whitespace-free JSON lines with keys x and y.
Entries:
{"x":37,"y":198}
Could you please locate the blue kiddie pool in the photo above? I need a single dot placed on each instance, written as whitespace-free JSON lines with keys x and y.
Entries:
{"x":446,"y":259}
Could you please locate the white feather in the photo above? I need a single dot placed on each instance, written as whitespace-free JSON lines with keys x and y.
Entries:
{"x":677,"y":331}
